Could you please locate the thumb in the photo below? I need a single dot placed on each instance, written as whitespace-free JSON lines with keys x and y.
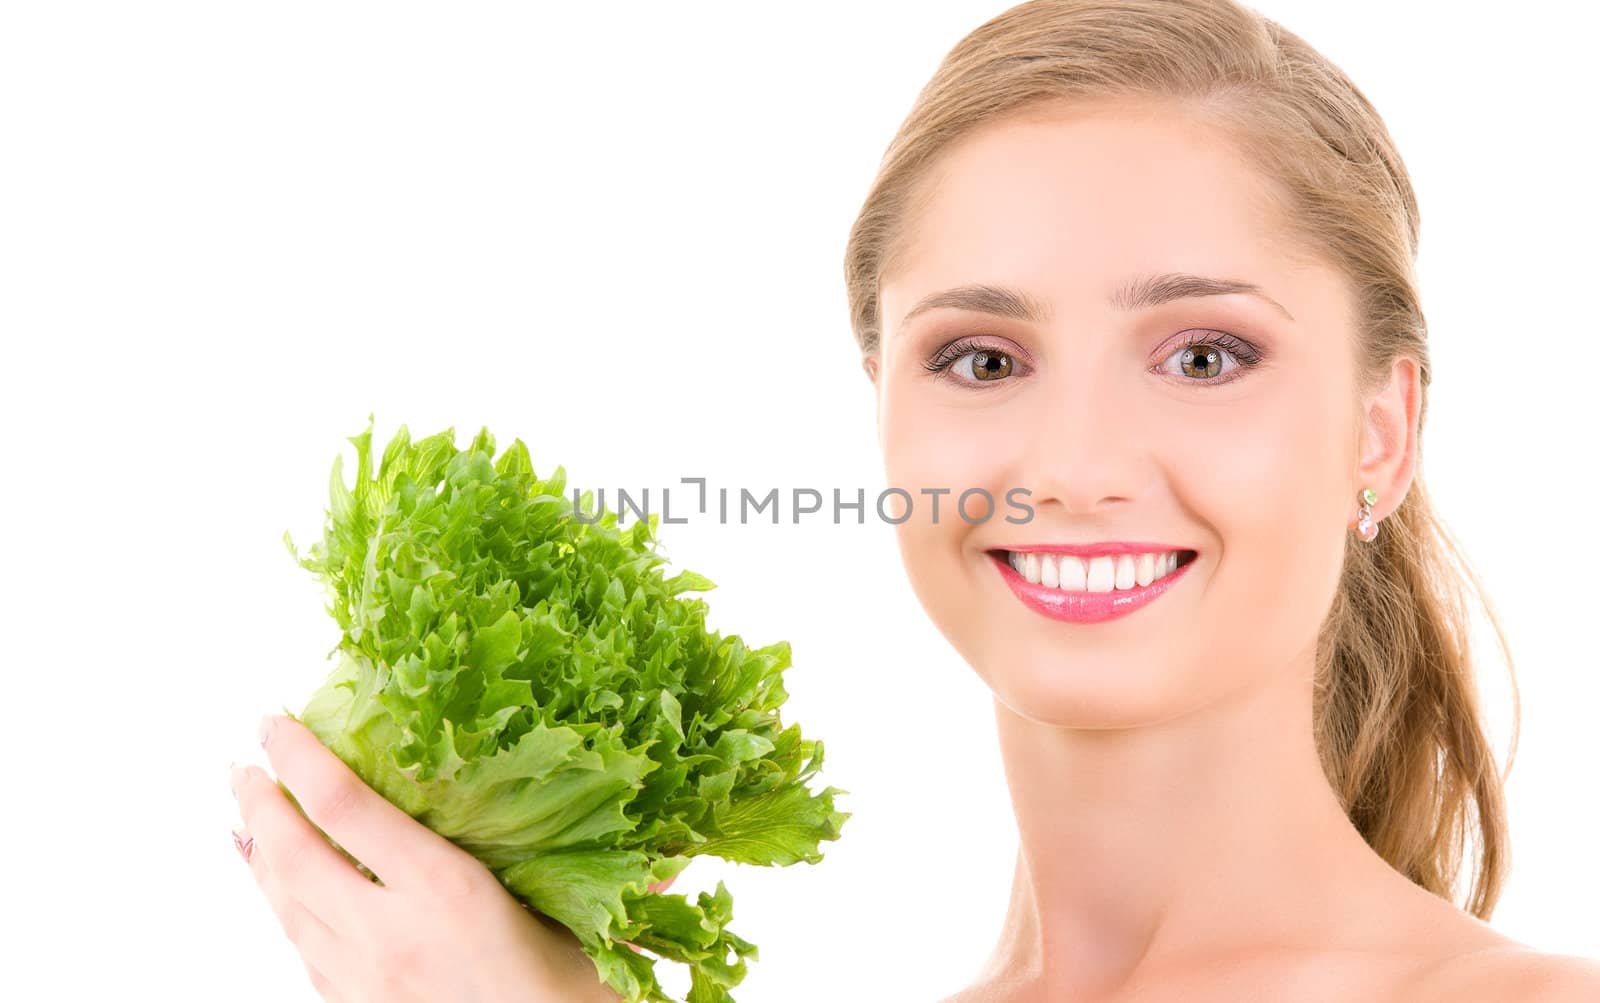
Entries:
{"x":661,"y":886}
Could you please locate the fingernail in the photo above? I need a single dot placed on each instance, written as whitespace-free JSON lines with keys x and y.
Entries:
{"x":264,"y":732}
{"x":244,"y":844}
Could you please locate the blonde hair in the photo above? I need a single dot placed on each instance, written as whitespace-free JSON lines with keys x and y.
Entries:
{"x":1397,"y":716}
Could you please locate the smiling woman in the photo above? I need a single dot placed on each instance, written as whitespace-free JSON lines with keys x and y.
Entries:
{"x":1242,"y":747}
{"x":1153,"y":263}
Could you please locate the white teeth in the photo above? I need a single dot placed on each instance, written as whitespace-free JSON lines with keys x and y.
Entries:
{"x":1125,"y":571}
{"x":1074,"y":574}
{"x":1098,"y":574}
{"x":1102,"y":574}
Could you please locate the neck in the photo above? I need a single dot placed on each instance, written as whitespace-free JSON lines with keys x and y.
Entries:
{"x":1192,"y":838}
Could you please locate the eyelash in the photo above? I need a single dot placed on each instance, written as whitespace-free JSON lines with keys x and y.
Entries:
{"x":1245,"y":354}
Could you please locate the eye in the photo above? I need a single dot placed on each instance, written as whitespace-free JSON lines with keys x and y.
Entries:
{"x":973,"y":362}
{"x":1203,"y":357}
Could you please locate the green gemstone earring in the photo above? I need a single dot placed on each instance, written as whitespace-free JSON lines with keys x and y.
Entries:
{"x":1364,"y":524}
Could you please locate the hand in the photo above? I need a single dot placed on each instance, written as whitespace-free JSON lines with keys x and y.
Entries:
{"x":440,"y":927}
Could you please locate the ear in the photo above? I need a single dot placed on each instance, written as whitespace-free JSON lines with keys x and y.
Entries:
{"x":1389,"y":439}
{"x":872,"y":362}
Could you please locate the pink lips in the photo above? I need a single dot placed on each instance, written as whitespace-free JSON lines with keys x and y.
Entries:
{"x":1086,"y":607}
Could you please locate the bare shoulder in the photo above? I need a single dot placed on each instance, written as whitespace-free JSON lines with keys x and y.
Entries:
{"x":1513,"y":972}
{"x":1530,"y":975}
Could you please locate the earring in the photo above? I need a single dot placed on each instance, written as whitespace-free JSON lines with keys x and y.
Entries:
{"x":1364,"y":524}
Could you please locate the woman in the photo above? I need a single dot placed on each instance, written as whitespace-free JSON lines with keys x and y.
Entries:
{"x":1142,"y":273}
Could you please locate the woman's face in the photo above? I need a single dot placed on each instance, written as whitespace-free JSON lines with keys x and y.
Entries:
{"x":1245,"y":451}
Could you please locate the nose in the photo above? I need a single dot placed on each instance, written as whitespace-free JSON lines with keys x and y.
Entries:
{"x":1087,"y":450}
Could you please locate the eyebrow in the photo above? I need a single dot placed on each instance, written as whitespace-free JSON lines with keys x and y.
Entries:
{"x":1137,"y":293}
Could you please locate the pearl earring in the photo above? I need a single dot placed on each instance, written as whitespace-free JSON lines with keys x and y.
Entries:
{"x":1364,"y":524}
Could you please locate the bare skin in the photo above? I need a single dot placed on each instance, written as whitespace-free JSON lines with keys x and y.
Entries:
{"x":1178,"y":838}
{"x":440,"y":927}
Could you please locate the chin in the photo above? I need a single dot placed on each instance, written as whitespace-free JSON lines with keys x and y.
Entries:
{"x":1088,"y":692}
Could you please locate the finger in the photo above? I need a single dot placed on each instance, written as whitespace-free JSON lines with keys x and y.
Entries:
{"x":387,"y":840}
{"x":314,"y":939}
{"x":658,"y":888}
{"x":310,"y":870}
{"x":661,"y":886}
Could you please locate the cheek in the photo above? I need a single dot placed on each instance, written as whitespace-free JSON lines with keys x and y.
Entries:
{"x":935,"y":448}
{"x":1272,"y":489}
{"x":928,"y":442}
{"x":933,"y":444}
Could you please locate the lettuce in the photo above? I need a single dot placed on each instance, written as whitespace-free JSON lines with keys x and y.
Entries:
{"x":520,"y":677}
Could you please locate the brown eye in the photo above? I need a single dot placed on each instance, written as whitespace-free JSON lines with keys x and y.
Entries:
{"x":988,"y":366}
{"x":1212,"y":358}
{"x":970,"y":361}
{"x":1201,"y":360}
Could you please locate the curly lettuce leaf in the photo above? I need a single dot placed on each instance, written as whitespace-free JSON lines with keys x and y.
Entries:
{"x":516,"y":673}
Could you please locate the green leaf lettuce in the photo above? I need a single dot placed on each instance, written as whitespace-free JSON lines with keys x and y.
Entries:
{"x":517,"y":674}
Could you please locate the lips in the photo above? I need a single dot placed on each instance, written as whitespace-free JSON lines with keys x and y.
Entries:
{"x":1082,"y":606}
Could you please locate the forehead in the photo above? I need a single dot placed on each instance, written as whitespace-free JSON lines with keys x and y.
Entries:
{"x":1069,"y":202}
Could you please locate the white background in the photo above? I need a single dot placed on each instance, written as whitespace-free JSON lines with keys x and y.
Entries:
{"x":616,"y":231}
